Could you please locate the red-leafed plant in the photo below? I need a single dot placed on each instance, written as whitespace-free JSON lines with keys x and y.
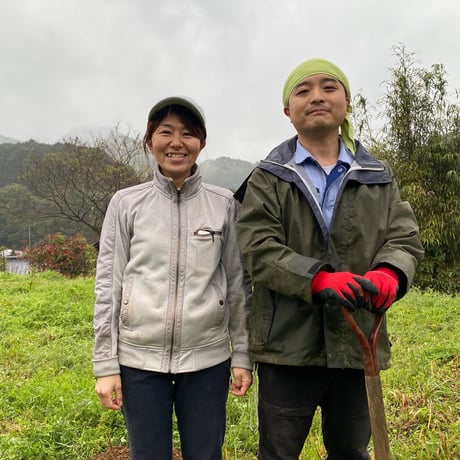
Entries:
{"x":70,"y":256}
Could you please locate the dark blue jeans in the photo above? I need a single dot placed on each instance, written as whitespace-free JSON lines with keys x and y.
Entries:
{"x":288,"y":398}
{"x":198,"y":399}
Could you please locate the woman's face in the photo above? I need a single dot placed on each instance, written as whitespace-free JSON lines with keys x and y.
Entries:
{"x":175,"y":149}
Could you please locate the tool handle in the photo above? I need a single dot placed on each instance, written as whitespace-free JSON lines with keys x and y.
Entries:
{"x":377,"y":417}
{"x":368,"y":346}
{"x":373,"y":383}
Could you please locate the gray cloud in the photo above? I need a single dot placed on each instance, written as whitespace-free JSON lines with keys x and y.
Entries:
{"x":74,"y":63}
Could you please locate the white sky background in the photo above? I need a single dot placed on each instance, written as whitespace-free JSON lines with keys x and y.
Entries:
{"x":72,"y":64}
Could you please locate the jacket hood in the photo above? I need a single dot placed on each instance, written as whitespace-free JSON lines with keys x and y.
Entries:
{"x":282,"y":154}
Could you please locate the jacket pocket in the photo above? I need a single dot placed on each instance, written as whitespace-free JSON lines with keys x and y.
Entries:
{"x":260,"y":317}
{"x":220,"y":307}
{"x":125,"y":297}
{"x":206,"y":247}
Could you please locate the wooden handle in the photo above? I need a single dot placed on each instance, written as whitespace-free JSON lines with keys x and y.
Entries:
{"x":373,"y":383}
{"x":377,"y":416}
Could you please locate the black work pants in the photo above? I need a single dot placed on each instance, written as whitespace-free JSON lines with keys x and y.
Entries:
{"x":288,"y":398}
{"x":199,"y":400}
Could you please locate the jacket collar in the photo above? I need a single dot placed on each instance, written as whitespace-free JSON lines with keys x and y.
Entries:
{"x":190,"y":187}
{"x":284,"y":152}
{"x":364,"y":164}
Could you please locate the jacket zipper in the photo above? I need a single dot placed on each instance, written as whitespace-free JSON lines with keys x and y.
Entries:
{"x":176,"y":290}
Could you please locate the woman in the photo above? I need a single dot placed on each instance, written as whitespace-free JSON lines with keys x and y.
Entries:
{"x":170,"y":310}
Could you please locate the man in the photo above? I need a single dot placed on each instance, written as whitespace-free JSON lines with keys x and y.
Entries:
{"x":322,"y":225}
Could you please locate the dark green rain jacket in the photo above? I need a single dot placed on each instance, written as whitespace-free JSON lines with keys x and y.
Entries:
{"x":285,"y":242}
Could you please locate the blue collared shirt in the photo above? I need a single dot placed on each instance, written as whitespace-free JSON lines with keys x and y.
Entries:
{"x":325,"y":180}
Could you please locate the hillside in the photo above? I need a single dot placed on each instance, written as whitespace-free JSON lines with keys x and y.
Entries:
{"x":25,"y":217}
{"x":9,"y":140}
{"x":224,"y":171}
{"x":14,"y":155}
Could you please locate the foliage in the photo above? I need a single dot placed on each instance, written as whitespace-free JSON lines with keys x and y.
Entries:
{"x":14,"y":156}
{"x":21,"y":213}
{"x":70,"y":256}
{"x":77,"y":183}
{"x":26,"y":216}
{"x":363,"y":115}
{"x":19,"y":217}
{"x":69,"y":184}
{"x":125,"y":147}
{"x":66,"y":186}
{"x":435,"y":273}
{"x":422,"y":144}
{"x":2,"y":259}
{"x":48,"y":407}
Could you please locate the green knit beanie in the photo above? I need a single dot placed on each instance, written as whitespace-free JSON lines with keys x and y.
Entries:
{"x":321,"y":66}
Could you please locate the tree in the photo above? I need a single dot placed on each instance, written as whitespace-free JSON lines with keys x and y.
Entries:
{"x":13,"y":156}
{"x":23,"y":219}
{"x":422,"y":143}
{"x":20,"y":220}
{"x":126,"y":148}
{"x":77,"y":182}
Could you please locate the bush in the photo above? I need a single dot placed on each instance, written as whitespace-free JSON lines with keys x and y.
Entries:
{"x":70,"y":256}
{"x":2,"y":259}
{"x":438,"y":273}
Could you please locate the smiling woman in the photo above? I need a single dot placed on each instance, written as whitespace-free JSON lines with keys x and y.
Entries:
{"x":171,"y":298}
{"x":175,"y":135}
{"x":175,"y":149}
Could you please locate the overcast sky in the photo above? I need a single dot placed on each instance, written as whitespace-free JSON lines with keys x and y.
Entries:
{"x":71,"y":64}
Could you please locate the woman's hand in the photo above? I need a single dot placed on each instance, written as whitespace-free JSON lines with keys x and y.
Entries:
{"x":109,"y":391}
{"x":242,"y":380}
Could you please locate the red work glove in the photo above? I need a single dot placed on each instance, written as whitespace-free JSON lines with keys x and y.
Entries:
{"x":345,"y":288}
{"x":386,"y":281}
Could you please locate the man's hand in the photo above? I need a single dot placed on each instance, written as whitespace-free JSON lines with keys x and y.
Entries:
{"x":109,"y":391}
{"x":386,"y":282}
{"x":345,"y":288}
{"x":242,"y":380}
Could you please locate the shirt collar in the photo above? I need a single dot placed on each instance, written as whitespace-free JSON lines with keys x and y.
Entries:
{"x":301,"y":154}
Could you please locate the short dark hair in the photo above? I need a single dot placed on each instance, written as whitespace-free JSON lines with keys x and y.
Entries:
{"x":188,"y":118}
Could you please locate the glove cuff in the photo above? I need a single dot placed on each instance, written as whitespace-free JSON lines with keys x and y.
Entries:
{"x":317,"y":281}
{"x":388,"y":271}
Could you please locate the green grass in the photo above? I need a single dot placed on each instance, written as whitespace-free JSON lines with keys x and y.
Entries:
{"x":48,"y":408}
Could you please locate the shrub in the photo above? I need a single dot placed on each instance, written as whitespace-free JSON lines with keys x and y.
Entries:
{"x":70,"y":256}
{"x":2,"y":259}
{"x":438,"y":273}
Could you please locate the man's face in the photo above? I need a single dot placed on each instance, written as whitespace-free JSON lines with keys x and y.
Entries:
{"x":317,"y":105}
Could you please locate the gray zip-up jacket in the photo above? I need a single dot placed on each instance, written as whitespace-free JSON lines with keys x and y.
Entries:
{"x":170,"y":293}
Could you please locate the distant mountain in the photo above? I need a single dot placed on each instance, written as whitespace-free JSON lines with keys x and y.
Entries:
{"x":14,"y":155}
{"x":226,"y":172}
{"x":8,"y":140}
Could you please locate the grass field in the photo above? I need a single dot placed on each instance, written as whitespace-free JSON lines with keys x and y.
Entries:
{"x":48,"y":408}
